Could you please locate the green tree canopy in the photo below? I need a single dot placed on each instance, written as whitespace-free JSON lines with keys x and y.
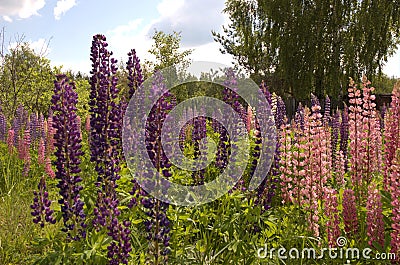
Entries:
{"x":300,"y":47}
{"x":25,"y":78}
{"x":166,"y":50}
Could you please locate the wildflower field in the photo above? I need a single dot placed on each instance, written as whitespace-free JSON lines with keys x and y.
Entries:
{"x":68,"y":194}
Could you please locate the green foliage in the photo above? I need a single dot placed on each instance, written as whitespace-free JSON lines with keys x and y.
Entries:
{"x":83,"y":90}
{"x":301,"y":47}
{"x":166,"y":51}
{"x":384,"y":84}
{"x":25,"y":78}
{"x":17,"y":230}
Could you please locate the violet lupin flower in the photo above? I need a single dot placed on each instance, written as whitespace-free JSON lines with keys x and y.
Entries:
{"x":266,"y":190}
{"x":327,"y":111}
{"x":344,"y":134}
{"x":229,"y":91}
{"x":157,"y":225}
{"x":382,"y":116}
{"x":68,"y":152}
{"x":198,"y":133}
{"x":41,"y":205}
{"x":3,"y":127}
{"x":121,"y":242}
{"x":315,"y":100}
{"x":20,"y":122}
{"x":223,"y":150}
{"x":280,"y":114}
{"x":280,"y":120}
{"x":135,"y":76}
{"x":267,"y":94}
{"x":230,"y":97}
{"x":106,"y":145}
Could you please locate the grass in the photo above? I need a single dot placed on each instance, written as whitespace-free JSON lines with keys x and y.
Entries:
{"x":17,"y":230}
{"x":16,"y":227}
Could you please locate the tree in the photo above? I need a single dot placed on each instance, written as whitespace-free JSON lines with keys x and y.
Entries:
{"x":308,"y":46}
{"x":166,"y":51}
{"x":384,"y":84}
{"x":26,"y":78}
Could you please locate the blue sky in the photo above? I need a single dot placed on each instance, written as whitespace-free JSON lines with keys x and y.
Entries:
{"x":70,"y":24}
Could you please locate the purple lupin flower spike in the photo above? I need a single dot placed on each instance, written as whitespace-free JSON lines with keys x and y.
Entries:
{"x":157,"y":224}
{"x":106,"y":115}
{"x":280,"y":114}
{"x":41,"y":205}
{"x":3,"y":127}
{"x":199,"y":132}
{"x":33,"y":126}
{"x":344,"y":134}
{"x":68,"y":151}
{"x":19,"y":123}
{"x":335,"y":134}
{"x":327,"y":111}
{"x":266,"y":190}
{"x":230,"y":86}
{"x":314,"y":100}
{"x":382,"y":116}
{"x":267,"y":94}
{"x":135,"y":76}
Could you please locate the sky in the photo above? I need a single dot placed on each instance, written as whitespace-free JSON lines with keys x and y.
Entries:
{"x":67,"y":26}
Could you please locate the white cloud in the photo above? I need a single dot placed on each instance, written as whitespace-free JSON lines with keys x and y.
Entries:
{"x":126,"y":29}
{"x":123,"y":38}
{"x":62,"y":7}
{"x":7,"y":18}
{"x":168,"y":8}
{"x":210,"y":52}
{"x":20,"y":8}
{"x":83,"y":66}
{"x":193,"y":18}
{"x":39,"y":46}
